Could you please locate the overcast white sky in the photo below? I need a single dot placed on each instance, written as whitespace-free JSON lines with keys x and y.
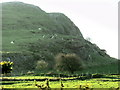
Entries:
{"x":97,"y":19}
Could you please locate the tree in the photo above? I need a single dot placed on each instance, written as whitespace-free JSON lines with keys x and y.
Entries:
{"x":41,"y":65}
{"x":68,"y":62}
{"x":6,"y":66}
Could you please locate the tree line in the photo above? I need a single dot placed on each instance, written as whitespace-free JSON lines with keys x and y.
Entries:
{"x":63,"y":62}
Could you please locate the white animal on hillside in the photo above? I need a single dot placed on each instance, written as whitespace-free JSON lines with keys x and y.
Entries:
{"x":12,"y":42}
{"x":39,"y":28}
{"x":43,"y":36}
{"x":52,"y":37}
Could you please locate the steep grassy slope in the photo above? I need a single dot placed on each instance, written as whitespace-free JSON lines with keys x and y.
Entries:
{"x":17,"y":15}
{"x":38,"y":35}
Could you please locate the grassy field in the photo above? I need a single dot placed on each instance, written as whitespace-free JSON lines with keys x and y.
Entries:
{"x":25,"y":37}
{"x":109,"y":81}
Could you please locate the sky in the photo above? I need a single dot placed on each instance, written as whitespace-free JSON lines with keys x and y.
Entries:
{"x":96,"y":19}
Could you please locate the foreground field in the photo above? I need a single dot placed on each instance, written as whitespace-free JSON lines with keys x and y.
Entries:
{"x":111,"y":82}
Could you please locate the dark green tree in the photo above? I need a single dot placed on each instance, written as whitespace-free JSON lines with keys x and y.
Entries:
{"x":68,"y":62}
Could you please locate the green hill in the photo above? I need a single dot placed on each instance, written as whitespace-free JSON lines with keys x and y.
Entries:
{"x":30,"y":34}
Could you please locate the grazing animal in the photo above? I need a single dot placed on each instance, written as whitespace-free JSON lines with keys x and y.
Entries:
{"x":39,"y":28}
{"x":52,"y":37}
{"x":12,"y":42}
{"x":43,"y":36}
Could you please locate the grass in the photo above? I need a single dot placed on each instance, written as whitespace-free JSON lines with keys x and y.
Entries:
{"x":20,"y":38}
{"x":103,"y":69}
{"x":24,"y":37}
{"x":91,"y":83}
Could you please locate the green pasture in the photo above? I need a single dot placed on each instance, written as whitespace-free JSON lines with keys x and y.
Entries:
{"x":93,"y":83}
{"x":23,"y":37}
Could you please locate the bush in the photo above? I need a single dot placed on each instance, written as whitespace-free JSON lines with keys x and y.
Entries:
{"x":41,"y":65}
{"x":6,"y":67}
{"x":68,"y":62}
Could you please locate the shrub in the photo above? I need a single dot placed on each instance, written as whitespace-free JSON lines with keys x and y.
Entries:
{"x":41,"y":65}
{"x":6,"y":66}
{"x":68,"y":62}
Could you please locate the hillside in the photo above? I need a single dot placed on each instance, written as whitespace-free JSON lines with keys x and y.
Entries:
{"x":31,"y":34}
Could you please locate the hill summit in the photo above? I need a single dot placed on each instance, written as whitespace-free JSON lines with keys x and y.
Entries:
{"x":30,"y":34}
{"x":18,"y":15}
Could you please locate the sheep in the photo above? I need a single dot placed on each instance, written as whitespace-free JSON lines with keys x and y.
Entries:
{"x":43,"y":36}
{"x":39,"y":28}
{"x":89,"y":57}
{"x":52,"y":37}
{"x":12,"y":42}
